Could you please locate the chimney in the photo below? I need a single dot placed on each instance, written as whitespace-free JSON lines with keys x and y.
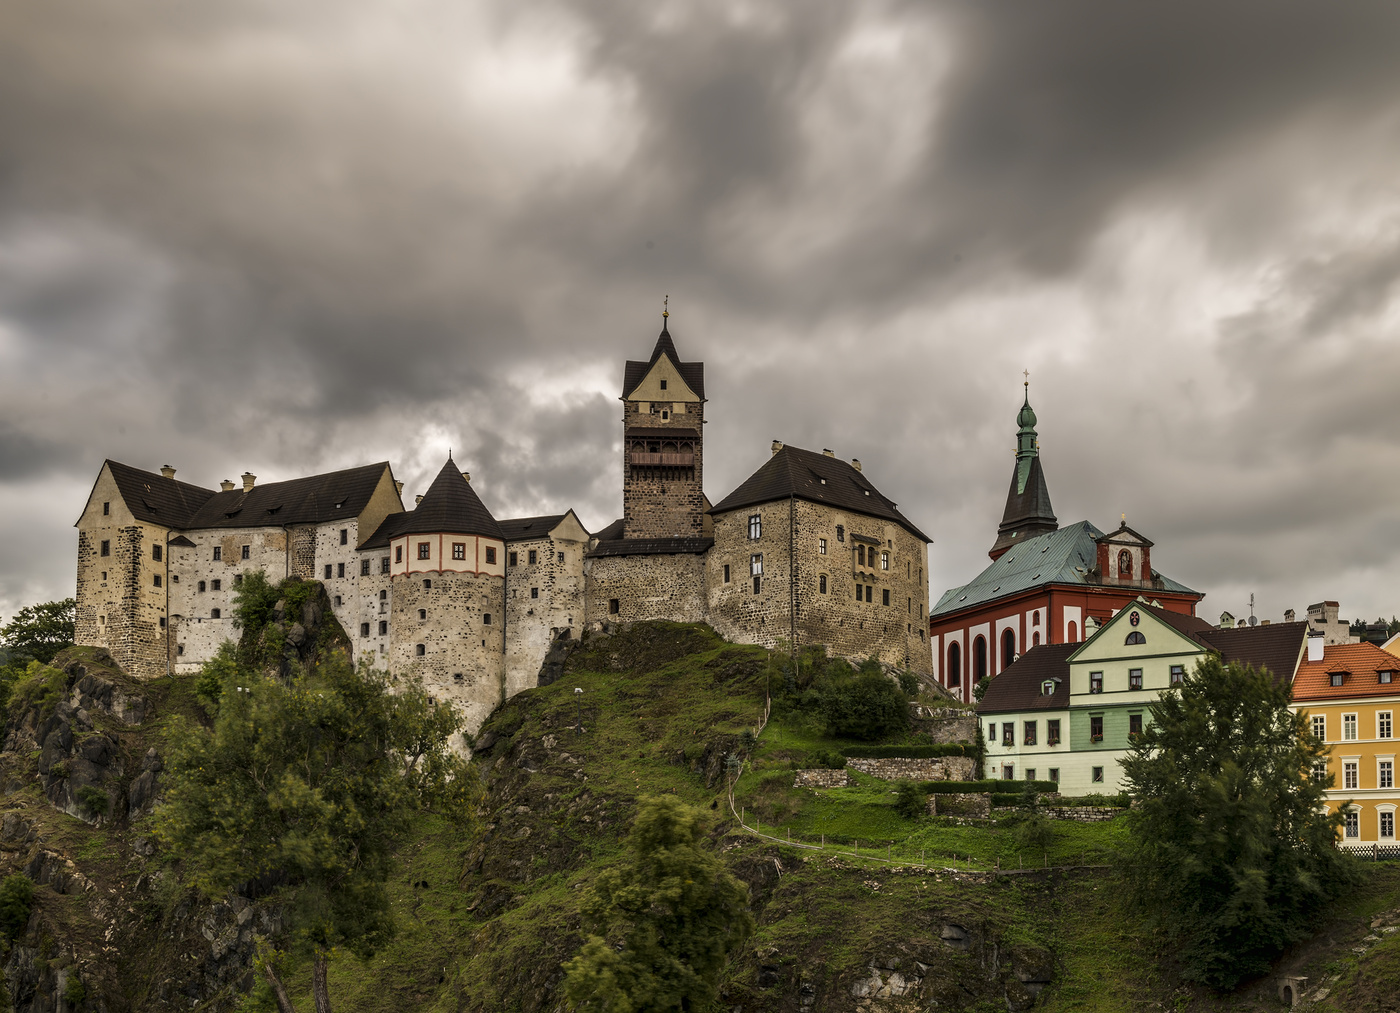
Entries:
{"x":248,"y":479}
{"x":1264,"y":622}
{"x":468,"y":476}
{"x":855,"y":463}
{"x":398,"y":488}
{"x":226,"y":485}
{"x":1315,"y":642}
{"x":828,"y":452}
{"x":777,"y":445}
{"x":417,"y":499}
{"x":167,"y":471}
{"x":1289,"y":615}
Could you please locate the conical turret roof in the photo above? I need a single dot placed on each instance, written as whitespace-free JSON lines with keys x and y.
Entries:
{"x":450,"y":506}
{"x":1028,"y":512}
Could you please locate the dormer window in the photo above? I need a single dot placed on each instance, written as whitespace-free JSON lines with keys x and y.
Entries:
{"x":1335,"y":678}
{"x":1385,"y":677}
{"x":1047,"y":688}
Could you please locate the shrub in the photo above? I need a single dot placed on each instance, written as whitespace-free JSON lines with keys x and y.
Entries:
{"x":866,"y":706}
{"x":910,"y":802}
{"x":94,"y":800}
{"x":16,"y":901}
{"x":999,"y":787}
{"x":909,"y":684}
{"x":74,"y":992}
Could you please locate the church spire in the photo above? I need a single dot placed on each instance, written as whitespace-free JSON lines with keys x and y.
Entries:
{"x":1028,"y":512}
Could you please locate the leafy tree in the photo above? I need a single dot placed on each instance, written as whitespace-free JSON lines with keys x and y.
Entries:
{"x":38,"y":632}
{"x":910,"y":801}
{"x":16,"y":901}
{"x":1231,"y":851}
{"x":310,"y":784}
{"x":865,"y":705}
{"x":664,"y":921}
{"x":980,"y":690}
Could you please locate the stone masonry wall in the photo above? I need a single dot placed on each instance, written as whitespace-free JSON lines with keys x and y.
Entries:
{"x":938,"y":768}
{"x":464,"y":653}
{"x":975,"y":805}
{"x":663,"y":503}
{"x":668,"y":587}
{"x":894,"y":633}
{"x":123,"y":612}
{"x":541,"y":597}
{"x":821,"y":779}
{"x":1083,"y":814}
{"x":198,"y":633}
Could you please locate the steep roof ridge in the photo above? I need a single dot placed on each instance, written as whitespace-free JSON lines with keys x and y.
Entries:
{"x":1050,"y":558}
{"x":450,"y":506}
{"x":155,"y":499}
{"x":634,"y":372}
{"x":311,"y":499}
{"x":1017,"y":688}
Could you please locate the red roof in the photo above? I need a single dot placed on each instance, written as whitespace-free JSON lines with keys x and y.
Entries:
{"x":1359,"y":662}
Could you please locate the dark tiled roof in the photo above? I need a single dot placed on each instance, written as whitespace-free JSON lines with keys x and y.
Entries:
{"x":1191,"y":626}
{"x":450,"y":506}
{"x":612,"y":532}
{"x":517,"y":529}
{"x":156,"y":499}
{"x":693,"y":373}
{"x":651,"y":546}
{"x":818,"y":479}
{"x":1276,"y":647}
{"x":315,"y":499}
{"x":658,"y":433}
{"x":1028,"y":511}
{"x":182,"y":542}
{"x":1018,"y":687}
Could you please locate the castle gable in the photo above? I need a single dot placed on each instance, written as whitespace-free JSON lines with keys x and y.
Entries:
{"x":149,"y":497}
{"x":691,"y":375}
{"x":315,"y":499}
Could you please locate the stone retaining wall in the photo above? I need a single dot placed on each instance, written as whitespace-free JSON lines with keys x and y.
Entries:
{"x":1083,"y":813}
{"x":974,"y":804}
{"x":895,"y":768}
{"x":821,"y":779}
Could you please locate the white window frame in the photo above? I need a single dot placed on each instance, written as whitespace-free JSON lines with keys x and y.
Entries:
{"x":755,"y":527}
{"x":1385,"y":771}
{"x":1385,"y":725}
{"x":1350,"y":723}
{"x":1382,"y":811}
{"x":1351,"y":775}
{"x":821,"y":546}
{"x":884,"y":560}
{"x":756,"y":565}
{"x":1351,"y":824}
{"x":1319,"y":726}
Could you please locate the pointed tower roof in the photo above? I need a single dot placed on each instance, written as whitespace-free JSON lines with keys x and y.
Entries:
{"x":1028,"y":512}
{"x":450,"y":506}
{"x":693,"y":373}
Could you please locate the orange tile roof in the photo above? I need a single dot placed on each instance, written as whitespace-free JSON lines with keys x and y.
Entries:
{"x":1361,"y":661}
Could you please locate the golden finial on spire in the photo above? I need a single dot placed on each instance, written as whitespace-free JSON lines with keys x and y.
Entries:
{"x":666,"y":306}
{"x":1027,"y":374}
{"x":1124,"y":518}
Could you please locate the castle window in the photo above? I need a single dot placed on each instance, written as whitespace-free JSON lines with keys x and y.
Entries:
{"x":201,"y":587}
{"x":532,"y":557}
{"x":561,"y":557}
{"x":398,"y":553}
{"x":237,"y":579}
{"x":218,"y":553}
{"x":869,"y":593}
{"x":821,"y":584}
{"x":157,"y":580}
{"x":1125,"y":563}
{"x":364,"y":568}
{"x":384,"y":565}
{"x":491,"y":555}
{"x":1035,"y":639}
{"x":344,"y":536}
{"x":534,"y":592}
{"x":420,"y":650}
{"x":821,"y":546}
{"x":954,"y":665}
{"x":384,"y":595}
{"x":329,"y":571}
{"x":106,"y":509}
{"x":425,"y":550}
{"x":1008,"y":647}
{"x":364,"y":629}
{"x":459,"y":550}
{"x":216,"y":585}
{"x":155,"y":552}
{"x":104,"y":574}
{"x":337,"y":597}
{"x":884,"y":560}
{"x":514,"y":559}
{"x":756,"y":582}
{"x":663,"y":384}
{"x":665,"y":415}
{"x":840,"y":532}
{"x":162,"y":622}
{"x":860,"y":554}
{"x":215,"y":614}
{"x":106,"y":548}
{"x":885,"y":596}
{"x":101,"y":620}
{"x":860,"y":593}
{"x":340,"y":569}
{"x":614,"y":606}
{"x":383,"y":627}
{"x":427,"y":584}
{"x":756,"y":564}
{"x":755,"y":526}
{"x":422,"y":613}
{"x":179,"y":648}
{"x":726,"y":573}
{"x":486,"y":619}
{"x":245,"y":551}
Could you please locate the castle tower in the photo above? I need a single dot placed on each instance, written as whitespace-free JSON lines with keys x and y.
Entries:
{"x":1028,"y":512}
{"x":662,"y":459}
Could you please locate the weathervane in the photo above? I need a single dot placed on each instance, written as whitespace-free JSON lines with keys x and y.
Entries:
{"x":666,"y":306}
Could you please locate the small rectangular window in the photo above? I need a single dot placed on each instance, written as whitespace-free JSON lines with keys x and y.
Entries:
{"x":1348,"y":727}
{"x":338,"y":600}
{"x":106,"y":548}
{"x":1134,"y":724}
{"x":157,"y":580}
{"x":1385,"y":676}
{"x":884,"y":560}
{"x":1095,"y":682}
{"x":383,"y":627}
{"x":491,"y":555}
{"x":663,"y":384}
{"x":726,"y":573}
{"x":425,"y":550}
{"x":1386,"y":774}
{"x":1383,"y":725}
{"x":344,"y":536}
{"x":420,"y":650}
{"x":329,"y":570}
{"x":1319,"y":726}
{"x":1096,"y":728}
{"x":1096,"y":775}
{"x":201,"y":587}
{"x":1388,"y":825}
{"x":245,"y":551}
{"x":398,"y":553}
{"x":1052,"y":734}
{"x":1352,"y":824}
{"x":534,"y":592}
{"x":459,"y":550}
{"x":179,"y":648}
{"x":614,"y":606}
{"x":821,"y":546}
{"x":218,"y":553}
{"x":106,"y":509}
{"x":1178,"y":674}
{"x":238,"y":579}
{"x":215,"y":614}
{"x":869,"y":593}
{"x":532,"y":557}
{"x":756,"y":564}
{"x":757,"y":581}
{"x":1030,"y":773}
{"x":1335,"y":679}
{"x":162,"y":622}
{"x":886,"y":595}
{"x":821,"y":584}
{"x":1319,"y":771}
{"x":364,"y":629}
{"x":486,"y":619}
{"x":155,"y":552}
{"x":514,"y":559}
{"x":860,"y":593}
{"x":384,"y":565}
{"x":1054,"y":774}
{"x":755,"y":526}
{"x":561,"y":557}
{"x":104,"y":574}
{"x":1029,"y":738}
{"x":1350,"y":777}
{"x":216,"y":585}
{"x":1008,"y":733}
{"x":364,"y":568}
{"x":1135,"y":678}
{"x":340,"y":569}
{"x":1008,"y":772}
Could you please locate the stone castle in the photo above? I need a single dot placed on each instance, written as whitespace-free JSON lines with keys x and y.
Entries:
{"x":805,"y":551}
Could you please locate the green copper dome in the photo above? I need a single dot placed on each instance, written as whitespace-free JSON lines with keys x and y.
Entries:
{"x":1026,"y":418}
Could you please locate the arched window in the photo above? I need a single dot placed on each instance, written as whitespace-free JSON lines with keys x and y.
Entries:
{"x":954,"y":665}
{"x":979,"y":659}
{"x":1074,"y":633}
{"x":1035,"y":639}
{"x":420,"y":650}
{"x":1135,"y":638}
{"x":1008,"y":648}
{"x":1125,"y":563}
{"x":1035,"y":618}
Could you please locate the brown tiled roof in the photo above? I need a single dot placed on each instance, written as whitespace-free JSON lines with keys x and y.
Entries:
{"x":518,"y":529}
{"x":1276,"y":647}
{"x":315,"y":499}
{"x":693,"y":373}
{"x":450,"y":506}
{"x":1360,"y":661}
{"x":818,"y":479}
{"x":1018,"y":687}
{"x":651,"y":546}
{"x":156,"y":499}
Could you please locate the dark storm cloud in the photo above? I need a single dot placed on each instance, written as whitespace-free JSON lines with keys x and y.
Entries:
{"x":247,"y":235}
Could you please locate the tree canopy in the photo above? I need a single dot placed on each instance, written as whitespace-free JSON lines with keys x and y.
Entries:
{"x":1232,"y":852}
{"x":664,"y":921}
{"x":38,"y":632}
{"x":308,"y":785}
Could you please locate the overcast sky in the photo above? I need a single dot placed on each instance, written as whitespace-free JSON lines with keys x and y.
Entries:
{"x":288,"y":238}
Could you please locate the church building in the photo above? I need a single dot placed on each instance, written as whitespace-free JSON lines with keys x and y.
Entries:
{"x":1046,"y":584}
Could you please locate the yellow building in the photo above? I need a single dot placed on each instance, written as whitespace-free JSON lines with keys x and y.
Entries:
{"x":1351,"y":697}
